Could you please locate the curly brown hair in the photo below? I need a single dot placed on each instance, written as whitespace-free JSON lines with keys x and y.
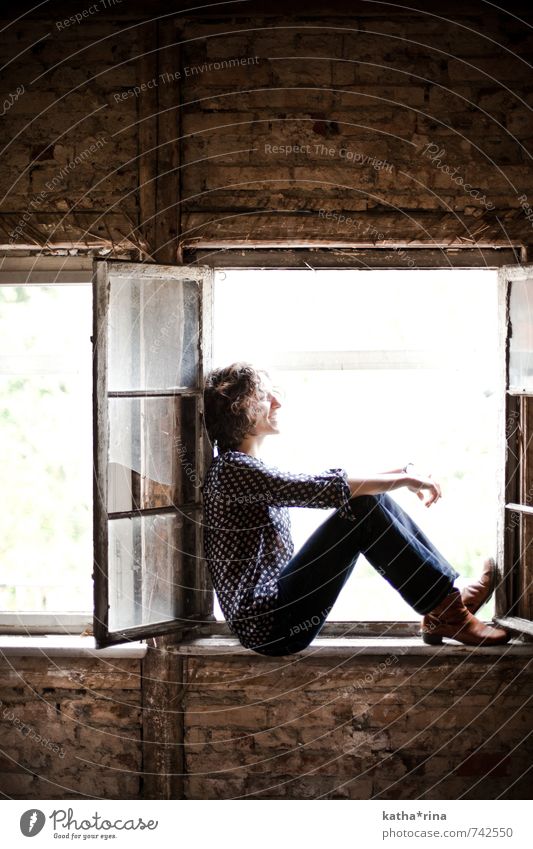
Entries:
{"x":231,"y":396}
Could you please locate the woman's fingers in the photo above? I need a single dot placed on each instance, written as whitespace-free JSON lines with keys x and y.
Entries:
{"x":424,"y":484}
{"x":435,"y":494}
{"x":432,"y":487}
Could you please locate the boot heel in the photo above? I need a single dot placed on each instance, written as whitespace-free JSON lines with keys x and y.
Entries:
{"x":432,"y":639}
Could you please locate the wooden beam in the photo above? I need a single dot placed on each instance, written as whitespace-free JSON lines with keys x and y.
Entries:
{"x":516,"y":625}
{"x":525,"y":602}
{"x":159,"y":154}
{"x":147,"y":137}
{"x":168,"y":151}
{"x":163,"y":687}
{"x":83,"y":230}
{"x":365,"y":258}
{"x":227,"y":223}
{"x":100,"y":456}
{"x":138,"y":9}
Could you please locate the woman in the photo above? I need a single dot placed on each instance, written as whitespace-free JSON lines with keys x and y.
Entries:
{"x":276,"y":601}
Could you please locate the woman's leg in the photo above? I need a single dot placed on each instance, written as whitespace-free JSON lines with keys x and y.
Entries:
{"x":417,"y":569}
{"x":392,"y":543}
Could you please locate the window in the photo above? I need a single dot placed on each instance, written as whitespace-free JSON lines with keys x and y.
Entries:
{"x":378,"y":368}
{"x":46,"y":440}
{"x":152,"y":335}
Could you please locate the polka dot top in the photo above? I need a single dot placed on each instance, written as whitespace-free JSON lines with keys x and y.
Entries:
{"x":247,"y":533}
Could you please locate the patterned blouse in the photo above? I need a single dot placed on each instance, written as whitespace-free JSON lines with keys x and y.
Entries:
{"x":247,"y":533}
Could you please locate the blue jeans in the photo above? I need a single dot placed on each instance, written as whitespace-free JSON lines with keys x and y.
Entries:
{"x":390,"y":540}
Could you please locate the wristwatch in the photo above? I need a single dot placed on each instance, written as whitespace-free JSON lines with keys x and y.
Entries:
{"x":407,"y":466}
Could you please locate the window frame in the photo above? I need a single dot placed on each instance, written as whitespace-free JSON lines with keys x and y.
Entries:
{"x":45,"y":271}
{"x":197,"y":604}
{"x":462,"y":258}
{"x":514,"y":592}
{"x":57,"y":270}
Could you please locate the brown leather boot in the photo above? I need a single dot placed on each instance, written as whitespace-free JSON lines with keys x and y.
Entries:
{"x":452,"y":619}
{"x":477,"y":593}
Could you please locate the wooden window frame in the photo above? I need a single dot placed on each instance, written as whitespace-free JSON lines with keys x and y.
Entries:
{"x":45,"y":271}
{"x":30,"y":270}
{"x":192,"y":579}
{"x":462,"y":258}
{"x":514,"y":593}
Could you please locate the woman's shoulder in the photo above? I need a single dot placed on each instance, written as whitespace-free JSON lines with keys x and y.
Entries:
{"x":231,"y":467}
{"x":233,"y":457}
{"x":227,"y":463}
{"x":233,"y":472}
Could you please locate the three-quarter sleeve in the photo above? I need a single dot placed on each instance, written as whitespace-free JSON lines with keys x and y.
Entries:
{"x":252,"y":480}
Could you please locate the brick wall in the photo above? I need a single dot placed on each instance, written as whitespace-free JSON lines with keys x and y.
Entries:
{"x":379,"y":115}
{"x":382,"y":726}
{"x":68,"y":167}
{"x":70,"y":728}
{"x":396,"y":727}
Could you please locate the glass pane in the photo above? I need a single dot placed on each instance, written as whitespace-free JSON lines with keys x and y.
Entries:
{"x":521,"y":336}
{"x":153,"y":334}
{"x":46,"y":449}
{"x":147,"y":556}
{"x":525,"y":598}
{"x":349,"y":310}
{"x":523,"y":450}
{"x":152,"y":444}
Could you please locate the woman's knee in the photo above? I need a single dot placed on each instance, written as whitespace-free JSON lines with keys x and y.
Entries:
{"x":364,"y":504}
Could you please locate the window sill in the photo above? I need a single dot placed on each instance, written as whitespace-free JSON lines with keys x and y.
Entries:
{"x":353,"y":646}
{"x":55,"y":645}
{"x":63,"y":645}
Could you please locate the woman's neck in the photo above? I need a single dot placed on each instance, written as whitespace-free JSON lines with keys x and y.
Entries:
{"x":251,"y":445}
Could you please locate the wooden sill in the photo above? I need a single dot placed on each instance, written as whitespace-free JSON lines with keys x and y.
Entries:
{"x":352,"y":647}
{"x":516,"y":625}
{"x":63,"y":645}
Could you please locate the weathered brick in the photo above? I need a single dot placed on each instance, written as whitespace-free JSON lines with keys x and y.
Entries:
{"x":17,"y":785}
{"x":245,"y":716}
{"x":228,"y":46}
{"x":70,"y":674}
{"x":106,"y":712}
{"x":488,"y":70}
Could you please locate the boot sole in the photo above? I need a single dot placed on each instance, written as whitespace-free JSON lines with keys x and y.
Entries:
{"x":432,"y":639}
{"x":436,"y":640}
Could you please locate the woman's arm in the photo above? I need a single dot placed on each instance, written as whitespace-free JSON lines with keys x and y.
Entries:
{"x":244,"y":479}
{"x":385,"y":482}
{"x":248,"y":480}
{"x":397,"y":471}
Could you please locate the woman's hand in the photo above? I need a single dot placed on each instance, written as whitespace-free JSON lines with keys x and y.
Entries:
{"x":420,"y":484}
{"x":387,"y":481}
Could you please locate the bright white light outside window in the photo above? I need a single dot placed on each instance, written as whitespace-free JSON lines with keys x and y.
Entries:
{"x":378,"y":368}
{"x":46,"y":448}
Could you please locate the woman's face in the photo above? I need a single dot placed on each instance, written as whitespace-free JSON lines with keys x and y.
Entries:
{"x":266,"y":421}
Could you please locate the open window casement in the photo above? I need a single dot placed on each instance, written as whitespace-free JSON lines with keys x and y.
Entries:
{"x":152,"y":346}
{"x":514,"y":595}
